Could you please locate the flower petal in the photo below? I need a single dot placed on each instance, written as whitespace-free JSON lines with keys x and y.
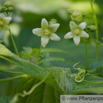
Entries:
{"x":44,"y":23}
{"x":44,"y":41}
{"x":76,"y":40}
{"x":54,"y":37}
{"x":82,"y":25}
{"x":54,"y":27}
{"x":72,"y":25}
{"x":68,"y":35}
{"x":84,"y":34}
{"x":7,"y":19}
{"x":38,"y":31}
{"x":79,"y":18}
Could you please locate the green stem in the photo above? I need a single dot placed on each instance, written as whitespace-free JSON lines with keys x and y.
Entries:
{"x":86,"y":55}
{"x":13,"y":42}
{"x":38,"y":55}
{"x":96,"y":24}
{"x":32,"y":89}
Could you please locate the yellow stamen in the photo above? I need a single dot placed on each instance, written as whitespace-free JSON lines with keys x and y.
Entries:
{"x":47,"y":32}
{"x":76,"y":31}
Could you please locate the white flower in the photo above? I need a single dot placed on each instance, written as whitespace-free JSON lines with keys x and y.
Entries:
{"x":47,"y":32}
{"x":4,"y":23}
{"x":76,"y":32}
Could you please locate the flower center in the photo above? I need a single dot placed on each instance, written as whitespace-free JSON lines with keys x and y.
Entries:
{"x":47,"y":32}
{"x":1,"y":24}
{"x":76,"y":31}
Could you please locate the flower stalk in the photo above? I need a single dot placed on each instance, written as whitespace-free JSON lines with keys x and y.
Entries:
{"x":13,"y":42}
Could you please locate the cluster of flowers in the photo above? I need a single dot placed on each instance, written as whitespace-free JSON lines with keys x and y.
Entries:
{"x":8,"y":7}
{"x":47,"y":30}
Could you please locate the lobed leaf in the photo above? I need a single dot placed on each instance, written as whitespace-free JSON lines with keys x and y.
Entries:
{"x":42,"y":94}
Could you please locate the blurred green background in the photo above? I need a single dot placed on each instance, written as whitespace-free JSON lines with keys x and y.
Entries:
{"x":27,"y":15}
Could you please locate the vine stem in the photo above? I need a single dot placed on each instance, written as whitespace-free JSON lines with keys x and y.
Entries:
{"x":25,"y":93}
{"x":13,"y":42}
{"x":96,"y":24}
{"x":39,"y":54}
{"x":86,"y":54}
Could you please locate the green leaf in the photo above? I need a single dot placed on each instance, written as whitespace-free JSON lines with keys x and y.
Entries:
{"x":5,"y":100}
{"x":63,"y":79}
{"x":59,"y":77}
{"x":93,"y":65}
{"x":52,"y":50}
{"x":46,"y":59}
{"x":29,"y":68}
{"x":91,"y":84}
{"x":35,"y":70}
{"x":34,"y":51}
{"x":42,"y":94}
{"x":28,"y":52}
{"x":52,"y":59}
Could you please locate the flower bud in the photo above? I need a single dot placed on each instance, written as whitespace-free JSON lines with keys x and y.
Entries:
{"x":5,"y":9}
{"x":76,"y":15}
{"x":10,"y":9}
{"x":92,"y":28}
{"x":8,"y":4}
{"x":53,"y":21}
